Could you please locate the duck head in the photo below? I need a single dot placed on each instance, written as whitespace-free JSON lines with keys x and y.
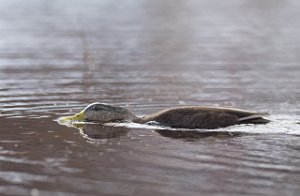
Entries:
{"x":101,"y":112}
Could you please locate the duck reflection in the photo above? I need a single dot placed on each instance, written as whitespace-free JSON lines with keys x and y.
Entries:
{"x":103,"y":131}
{"x":196,"y":135}
{"x":100,"y":131}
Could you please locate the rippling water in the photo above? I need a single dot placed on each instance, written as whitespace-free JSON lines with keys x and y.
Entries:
{"x":58,"y":56}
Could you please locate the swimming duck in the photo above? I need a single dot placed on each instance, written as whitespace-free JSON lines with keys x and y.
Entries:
{"x":192,"y":117}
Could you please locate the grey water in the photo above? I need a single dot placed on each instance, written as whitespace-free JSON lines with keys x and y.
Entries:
{"x":58,"y":56}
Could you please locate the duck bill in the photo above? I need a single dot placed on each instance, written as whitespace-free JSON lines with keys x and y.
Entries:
{"x":77,"y":117}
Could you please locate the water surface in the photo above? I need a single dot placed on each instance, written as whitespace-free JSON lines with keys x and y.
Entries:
{"x":58,"y":56}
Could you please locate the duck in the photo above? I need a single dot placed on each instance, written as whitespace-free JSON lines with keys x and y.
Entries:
{"x":190,"y":117}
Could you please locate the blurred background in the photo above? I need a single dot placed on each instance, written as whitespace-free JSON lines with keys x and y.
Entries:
{"x":58,"y":56}
{"x":159,"y":52}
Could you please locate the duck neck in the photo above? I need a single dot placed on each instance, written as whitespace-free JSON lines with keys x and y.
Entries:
{"x":134,"y":118}
{"x":139,"y":120}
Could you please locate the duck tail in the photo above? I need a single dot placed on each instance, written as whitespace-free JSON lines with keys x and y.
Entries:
{"x":256,"y":118}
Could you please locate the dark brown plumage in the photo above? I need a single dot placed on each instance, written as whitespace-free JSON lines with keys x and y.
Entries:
{"x":181,"y":117}
{"x":204,"y":117}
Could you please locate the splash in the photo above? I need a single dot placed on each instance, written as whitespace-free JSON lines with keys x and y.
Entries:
{"x":76,"y":118}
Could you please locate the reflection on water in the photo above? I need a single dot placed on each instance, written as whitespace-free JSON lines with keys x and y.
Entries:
{"x":58,"y":56}
{"x":98,"y":131}
{"x":113,"y":130}
{"x":195,"y":135}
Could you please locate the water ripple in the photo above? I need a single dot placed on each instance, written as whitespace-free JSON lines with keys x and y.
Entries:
{"x":58,"y":56}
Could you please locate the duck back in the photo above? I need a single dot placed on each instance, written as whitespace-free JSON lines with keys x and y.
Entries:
{"x":204,"y":117}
